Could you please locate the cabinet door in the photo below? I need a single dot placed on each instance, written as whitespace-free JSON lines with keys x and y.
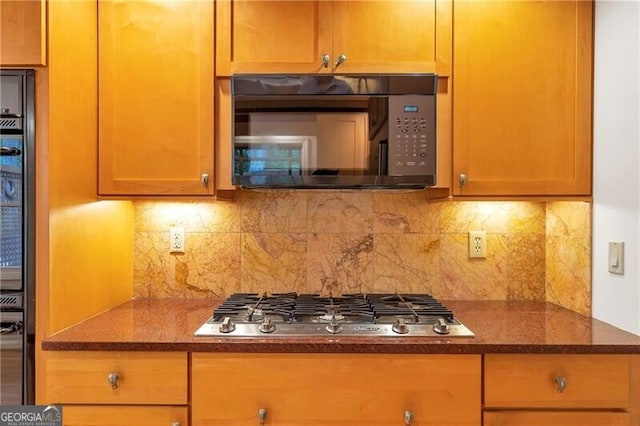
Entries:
{"x":335,"y":389}
{"x":522,"y":97}
{"x":23,"y":32}
{"x":385,"y":36}
{"x":272,"y":36}
{"x":121,"y":415}
{"x":155,"y":97}
{"x":556,"y":418}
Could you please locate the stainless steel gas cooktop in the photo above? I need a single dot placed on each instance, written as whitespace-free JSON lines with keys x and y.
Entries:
{"x":294,"y":315}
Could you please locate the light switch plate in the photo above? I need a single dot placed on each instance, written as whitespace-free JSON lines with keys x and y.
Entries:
{"x":616,"y":257}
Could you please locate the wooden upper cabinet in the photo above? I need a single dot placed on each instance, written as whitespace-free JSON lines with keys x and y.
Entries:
{"x":522,"y":97}
{"x":23,"y":32}
{"x":294,"y":36}
{"x":272,"y":36}
{"x":156,"y":95}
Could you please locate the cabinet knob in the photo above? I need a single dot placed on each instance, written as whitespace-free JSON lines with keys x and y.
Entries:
{"x":340,"y":60}
{"x":175,"y":423}
{"x":408,"y":417}
{"x":462,"y":179}
{"x":204,"y":179}
{"x":325,"y":61}
{"x":262,"y":415}
{"x":561,"y":383}
{"x":113,"y":380}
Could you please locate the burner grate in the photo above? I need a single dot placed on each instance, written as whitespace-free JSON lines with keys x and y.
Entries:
{"x":252,"y":307}
{"x":416,"y":306}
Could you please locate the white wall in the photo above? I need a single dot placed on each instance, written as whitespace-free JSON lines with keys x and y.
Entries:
{"x":616,"y":211}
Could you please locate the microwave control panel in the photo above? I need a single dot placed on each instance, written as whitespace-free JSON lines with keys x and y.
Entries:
{"x":412,"y":135}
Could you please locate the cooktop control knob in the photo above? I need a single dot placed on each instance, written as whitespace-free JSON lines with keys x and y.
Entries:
{"x":441,"y":326}
{"x":267,"y":326}
{"x":227,"y":325}
{"x":400,"y":326}
{"x":334,"y":327}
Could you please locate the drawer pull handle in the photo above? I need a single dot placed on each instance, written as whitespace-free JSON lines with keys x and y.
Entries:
{"x":408,"y":418}
{"x":113,"y":380}
{"x":561,"y":383}
{"x":175,"y":423}
{"x":262,"y":415}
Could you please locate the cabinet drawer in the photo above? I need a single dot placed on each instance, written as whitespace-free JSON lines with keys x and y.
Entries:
{"x":591,"y":381}
{"x":335,"y":389}
{"x":142,"y":377}
{"x":555,"y":418}
{"x":122,"y":415}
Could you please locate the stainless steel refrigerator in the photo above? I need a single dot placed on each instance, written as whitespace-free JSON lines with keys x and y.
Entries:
{"x":17,"y":230}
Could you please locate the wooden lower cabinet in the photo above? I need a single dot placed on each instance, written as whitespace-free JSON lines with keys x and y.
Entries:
{"x":118,"y":388}
{"x":335,"y":389}
{"x":553,"y":418}
{"x":557,"y":390}
{"x":123,"y":415}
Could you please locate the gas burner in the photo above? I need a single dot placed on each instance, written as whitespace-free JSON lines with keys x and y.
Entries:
{"x":290,"y":314}
{"x":252,"y":307}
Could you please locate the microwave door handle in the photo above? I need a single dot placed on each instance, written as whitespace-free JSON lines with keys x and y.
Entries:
{"x":383,"y":157}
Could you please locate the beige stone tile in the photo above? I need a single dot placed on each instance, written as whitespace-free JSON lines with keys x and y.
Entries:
{"x":406,"y":263}
{"x":209,"y":267}
{"x":526,"y":267}
{"x":569,"y":218}
{"x":526,"y":218}
{"x":568,"y":273}
{"x":340,"y":263}
{"x":212,"y":216}
{"x":273,"y":262}
{"x":459,"y":217}
{"x":340,"y":212}
{"x":462,"y":278}
{"x":405,"y":213}
{"x":273,"y":211}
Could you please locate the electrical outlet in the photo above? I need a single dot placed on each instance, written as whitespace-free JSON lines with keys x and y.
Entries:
{"x":176,"y":240}
{"x":477,"y":244}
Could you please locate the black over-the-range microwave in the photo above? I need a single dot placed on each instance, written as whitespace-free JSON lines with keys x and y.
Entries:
{"x":309,"y":131}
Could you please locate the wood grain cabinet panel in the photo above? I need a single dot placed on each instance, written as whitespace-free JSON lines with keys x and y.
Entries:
{"x":335,"y":389}
{"x":123,"y":415}
{"x":23,"y":32}
{"x":522,"y":97}
{"x":293,"y":36}
{"x":142,"y":377}
{"x":557,"y":381}
{"x":156,"y":97}
{"x":551,"y":418}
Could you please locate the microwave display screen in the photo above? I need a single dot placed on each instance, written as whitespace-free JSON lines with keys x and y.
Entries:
{"x":328,"y":131}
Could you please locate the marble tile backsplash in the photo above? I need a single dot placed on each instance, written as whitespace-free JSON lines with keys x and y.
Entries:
{"x":344,"y":242}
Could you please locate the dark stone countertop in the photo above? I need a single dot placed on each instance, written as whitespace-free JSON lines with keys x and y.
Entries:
{"x":499,"y":326}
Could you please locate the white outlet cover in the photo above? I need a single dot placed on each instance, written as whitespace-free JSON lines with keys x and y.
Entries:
{"x":477,"y":244}
{"x":176,"y":240}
